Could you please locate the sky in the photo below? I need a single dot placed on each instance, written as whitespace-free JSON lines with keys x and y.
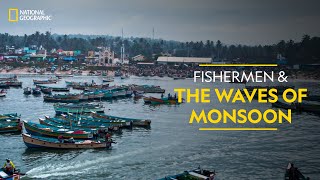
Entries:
{"x":248,"y":22}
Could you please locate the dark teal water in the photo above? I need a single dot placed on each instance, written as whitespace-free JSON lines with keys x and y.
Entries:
{"x":172,"y":145}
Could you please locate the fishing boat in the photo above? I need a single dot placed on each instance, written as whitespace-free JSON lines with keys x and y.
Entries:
{"x":63,"y":75}
{"x":178,"y":78}
{"x":46,"y":90}
{"x":77,"y":124}
{"x":84,"y":124}
{"x":135,"y":122}
{"x":125,"y":77}
{"x":14,"y":83}
{"x":108,"y":79}
{"x":4,"y":85}
{"x":32,"y":141}
{"x":57,"y":89}
{"x":27,"y":91}
{"x":138,"y":94}
{"x":284,"y":105}
{"x":10,"y":128}
{"x":3,"y":93}
{"x":13,"y":78}
{"x":197,"y":174}
{"x":147,"y":88}
{"x":78,"y":109}
{"x":15,"y":176}
{"x":49,"y":131}
{"x":309,"y":107}
{"x":10,"y":123}
{"x":62,"y":98}
{"x":36,"y":91}
{"x":155,"y":101}
{"x":292,"y":173}
{"x":313,"y":98}
{"x":49,"y":81}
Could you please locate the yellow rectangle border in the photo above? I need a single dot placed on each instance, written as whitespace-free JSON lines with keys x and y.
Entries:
{"x":9,"y":15}
{"x":238,"y":129}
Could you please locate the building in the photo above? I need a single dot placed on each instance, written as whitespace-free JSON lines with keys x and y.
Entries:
{"x":183,"y":60}
{"x":106,"y":56}
{"x":138,"y":58}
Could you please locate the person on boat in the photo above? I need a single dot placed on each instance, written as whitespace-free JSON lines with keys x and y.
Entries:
{"x":169,"y":96}
{"x":9,"y":167}
{"x":161,"y":95}
{"x":108,"y":136}
{"x":60,"y":138}
{"x":175,"y":96}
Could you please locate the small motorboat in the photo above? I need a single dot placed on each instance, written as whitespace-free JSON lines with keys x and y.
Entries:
{"x":292,"y":173}
{"x":3,"y":93}
{"x":36,"y":91}
{"x":15,"y":176}
{"x":199,"y":174}
{"x":27,"y":91}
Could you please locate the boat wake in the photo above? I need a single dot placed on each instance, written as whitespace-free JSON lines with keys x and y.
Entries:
{"x":82,"y":166}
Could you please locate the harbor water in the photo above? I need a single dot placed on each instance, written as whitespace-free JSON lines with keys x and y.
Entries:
{"x":171,"y":145}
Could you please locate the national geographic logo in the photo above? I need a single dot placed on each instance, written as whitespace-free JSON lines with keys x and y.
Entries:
{"x":15,"y":15}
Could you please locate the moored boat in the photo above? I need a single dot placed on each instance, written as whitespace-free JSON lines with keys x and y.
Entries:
{"x":284,"y":105}
{"x":108,"y":79}
{"x":147,"y":88}
{"x":27,"y":90}
{"x":32,"y":141}
{"x":155,"y":101}
{"x":135,"y":122}
{"x":49,"y":81}
{"x":49,"y":131}
{"x":309,"y":107}
{"x":36,"y":91}
{"x":14,"y":83}
{"x":63,"y":98}
{"x":78,"y":109}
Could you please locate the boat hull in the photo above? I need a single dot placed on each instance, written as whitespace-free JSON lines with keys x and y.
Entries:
{"x":32,"y":142}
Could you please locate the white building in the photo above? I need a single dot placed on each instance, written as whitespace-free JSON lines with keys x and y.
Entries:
{"x":138,"y":58}
{"x":183,"y":60}
{"x":106,"y":56}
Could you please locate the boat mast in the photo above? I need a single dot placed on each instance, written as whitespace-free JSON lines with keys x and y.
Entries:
{"x":122,"y":48}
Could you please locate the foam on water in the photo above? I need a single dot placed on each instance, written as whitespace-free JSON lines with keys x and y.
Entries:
{"x":83,"y":166}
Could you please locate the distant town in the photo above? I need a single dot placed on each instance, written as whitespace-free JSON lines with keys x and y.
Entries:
{"x":46,"y":54}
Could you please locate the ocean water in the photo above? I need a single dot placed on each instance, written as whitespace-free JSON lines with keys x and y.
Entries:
{"x":172,"y":145}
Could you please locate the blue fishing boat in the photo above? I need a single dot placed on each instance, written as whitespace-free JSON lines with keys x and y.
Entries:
{"x":79,"y":124}
{"x":78,"y":108}
{"x":134,"y":121}
{"x":32,"y":141}
{"x":197,"y":174}
{"x":49,"y":131}
{"x":10,"y":123}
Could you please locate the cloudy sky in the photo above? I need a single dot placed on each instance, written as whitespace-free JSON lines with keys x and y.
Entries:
{"x":231,"y":21}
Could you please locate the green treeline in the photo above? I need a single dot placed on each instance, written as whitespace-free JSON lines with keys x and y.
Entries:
{"x":305,"y":51}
